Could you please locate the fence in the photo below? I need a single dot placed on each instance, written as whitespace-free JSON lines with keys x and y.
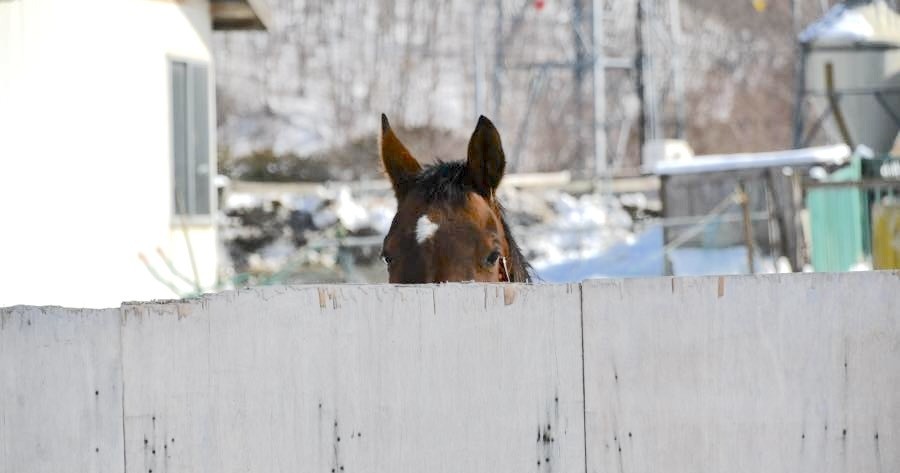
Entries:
{"x":777,"y":373}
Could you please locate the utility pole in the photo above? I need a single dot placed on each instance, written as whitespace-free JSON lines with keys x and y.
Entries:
{"x":639,"y":65}
{"x":799,"y":76}
{"x":477,"y":59}
{"x":594,"y":161}
{"x":748,"y":225}
{"x":677,"y":72}
{"x":599,"y":89}
{"x":499,"y":59}
{"x":578,"y":76}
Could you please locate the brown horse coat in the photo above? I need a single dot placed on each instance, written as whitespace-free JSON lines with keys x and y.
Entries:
{"x":449,"y":225}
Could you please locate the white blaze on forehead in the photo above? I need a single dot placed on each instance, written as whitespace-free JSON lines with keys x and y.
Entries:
{"x":425,"y":229}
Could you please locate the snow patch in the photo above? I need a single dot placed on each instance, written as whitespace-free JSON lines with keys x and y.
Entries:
{"x":706,"y":261}
{"x":243,"y":201}
{"x":352,"y":216}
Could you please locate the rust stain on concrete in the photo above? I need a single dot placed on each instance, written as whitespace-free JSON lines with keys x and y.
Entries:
{"x":509,"y":295}
{"x":322,"y":298}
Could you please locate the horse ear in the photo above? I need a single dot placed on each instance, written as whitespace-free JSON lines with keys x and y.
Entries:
{"x":485,"y":161}
{"x":399,"y":164}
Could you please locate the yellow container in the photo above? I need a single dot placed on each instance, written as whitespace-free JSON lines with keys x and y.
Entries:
{"x":886,"y":235}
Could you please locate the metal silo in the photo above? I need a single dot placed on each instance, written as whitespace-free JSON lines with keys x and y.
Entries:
{"x":861,"y":43}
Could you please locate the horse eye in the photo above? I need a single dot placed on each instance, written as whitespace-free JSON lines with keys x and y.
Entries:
{"x":492,"y":258}
{"x":387,"y":259}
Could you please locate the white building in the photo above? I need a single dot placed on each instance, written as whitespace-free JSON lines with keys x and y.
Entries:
{"x":107,"y":113}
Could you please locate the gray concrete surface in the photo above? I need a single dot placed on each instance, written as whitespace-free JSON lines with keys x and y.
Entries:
{"x":780,"y":373}
{"x":734,"y":374}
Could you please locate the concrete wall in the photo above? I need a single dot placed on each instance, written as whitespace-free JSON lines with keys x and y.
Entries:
{"x":790,"y":373}
{"x":85,"y":125}
{"x":783,"y":373}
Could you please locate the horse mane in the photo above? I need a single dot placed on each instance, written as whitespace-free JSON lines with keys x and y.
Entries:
{"x":448,"y":182}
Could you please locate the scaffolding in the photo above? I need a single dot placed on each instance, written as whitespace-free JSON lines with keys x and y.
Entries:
{"x":625,"y":89}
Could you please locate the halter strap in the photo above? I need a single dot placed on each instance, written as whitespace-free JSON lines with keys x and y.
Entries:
{"x":505,"y":276}
{"x":504,"y":271}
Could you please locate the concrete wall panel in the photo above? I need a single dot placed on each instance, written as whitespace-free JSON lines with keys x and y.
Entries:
{"x":60,"y":390}
{"x":783,"y":373}
{"x":357,"y":378}
{"x":780,"y":373}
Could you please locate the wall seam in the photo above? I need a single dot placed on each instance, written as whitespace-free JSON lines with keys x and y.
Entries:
{"x":583,"y":378}
{"x":122,"y":372}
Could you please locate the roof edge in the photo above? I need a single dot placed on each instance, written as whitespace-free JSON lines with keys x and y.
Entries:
{"x":833,"y":154}
{"x":237,"y":15}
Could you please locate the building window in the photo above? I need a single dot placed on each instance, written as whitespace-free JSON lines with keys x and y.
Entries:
{"x":190,"y":139}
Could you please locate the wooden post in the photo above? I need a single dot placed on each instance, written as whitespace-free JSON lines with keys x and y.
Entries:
{"x":797,"y":196}
{"x":777,"y":234}
{"x":748,"y":228}
{"x":834,"y":100}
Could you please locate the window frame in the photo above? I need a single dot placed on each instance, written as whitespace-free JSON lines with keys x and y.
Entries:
{"x":177,"y":218}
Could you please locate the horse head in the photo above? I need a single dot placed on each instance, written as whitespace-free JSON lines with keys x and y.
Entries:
{"x":449,"y":224}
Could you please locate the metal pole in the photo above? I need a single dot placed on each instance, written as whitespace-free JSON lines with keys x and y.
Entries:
{"x":578,"y":80}
{"x":771,"y":220}
{"x":534,"y":90}
{"x":800,"y":85}
{"x":800,"y":53}
{"x":748,"y":228}
{"x":833,"y":100}
{"x":599,"y":89}
{"x":498,"y":64}
{"x":780,"y":211}
{"x":476,"y":57}
{"x":639,"y":69}
{"x":800,"y":252}
{"x":677,"y":73}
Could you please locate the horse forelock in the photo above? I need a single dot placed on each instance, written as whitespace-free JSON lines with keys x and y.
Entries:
{"x":443,"y":182}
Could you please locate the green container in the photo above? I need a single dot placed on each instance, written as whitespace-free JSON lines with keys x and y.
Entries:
{"x":839,"y":219}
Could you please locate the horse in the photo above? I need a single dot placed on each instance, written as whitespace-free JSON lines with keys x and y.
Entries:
{"x":449,"y":225}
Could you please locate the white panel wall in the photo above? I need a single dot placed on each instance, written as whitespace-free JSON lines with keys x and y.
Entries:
{"x":369,"y":378}
{"x":780,"y":373}
{"x":60,"y":390}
